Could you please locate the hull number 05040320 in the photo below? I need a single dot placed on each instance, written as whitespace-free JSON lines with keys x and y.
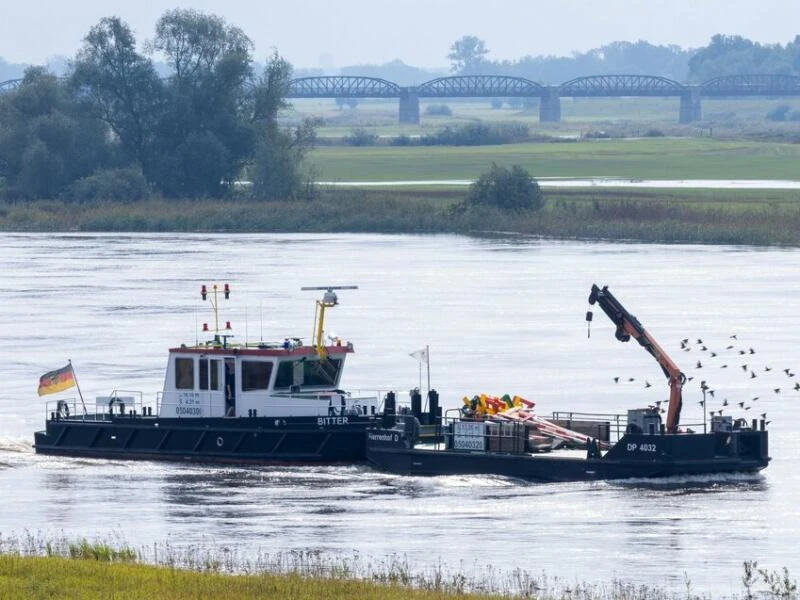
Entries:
{"x":642,"y":447}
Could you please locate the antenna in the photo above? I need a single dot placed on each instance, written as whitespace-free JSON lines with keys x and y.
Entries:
{"x":211,"y":295}
{"x":329,"y":299}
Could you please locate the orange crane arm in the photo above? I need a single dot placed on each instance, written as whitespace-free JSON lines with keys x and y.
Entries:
{"x":629,"y":327}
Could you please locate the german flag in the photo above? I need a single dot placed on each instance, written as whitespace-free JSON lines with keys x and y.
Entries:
{"x":56,"y":381}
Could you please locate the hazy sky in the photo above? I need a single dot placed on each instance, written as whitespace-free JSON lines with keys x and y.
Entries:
{"x":311,"y":33}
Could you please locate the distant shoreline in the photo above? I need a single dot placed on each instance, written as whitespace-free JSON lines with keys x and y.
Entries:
{"x":760,"y":217}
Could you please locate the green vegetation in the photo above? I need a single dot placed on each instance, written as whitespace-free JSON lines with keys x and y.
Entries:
{"x":651,"y":158}
{"x":33,"y":568}
{"x":507,"y":189}
{"x":188,"y":135}
{"x":766,"y":217}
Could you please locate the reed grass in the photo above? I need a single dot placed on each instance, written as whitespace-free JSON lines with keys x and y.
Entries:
{"x":35,"y":566}
{"x":739,"y":217}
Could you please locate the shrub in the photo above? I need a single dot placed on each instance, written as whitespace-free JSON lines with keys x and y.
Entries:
{"x":478,"y":134}
{"x":779,"y":113}
{"x":361,"y":137}
{"x":653,"y":133}
{"x":400,"y":140}
{"x":121,"y":185}
{"x":513,"y":190}
{"x":438,"y":110}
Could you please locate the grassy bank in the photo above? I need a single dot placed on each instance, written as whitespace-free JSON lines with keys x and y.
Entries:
{"x":658,"y":158}
{"x":85,"y":570}
{"x":54,"y":577}
{"x":762,"y":217}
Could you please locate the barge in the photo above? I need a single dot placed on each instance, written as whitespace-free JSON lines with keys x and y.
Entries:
{"x":234,"y":403}
{"x":643,"y":447}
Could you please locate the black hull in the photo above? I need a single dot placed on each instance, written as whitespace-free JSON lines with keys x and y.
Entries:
{"x":261,"y":440}
{"x":664,"y":456}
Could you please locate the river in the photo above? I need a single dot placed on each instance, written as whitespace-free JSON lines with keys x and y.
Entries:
{"x":500,"y":314}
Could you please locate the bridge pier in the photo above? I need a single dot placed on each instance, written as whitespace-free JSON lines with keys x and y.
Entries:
{"x":409,"y":106}
{"x":690,"y":106}
{"x":550,"y":106}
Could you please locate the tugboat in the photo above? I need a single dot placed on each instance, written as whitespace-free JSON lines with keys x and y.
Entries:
{"x":645,"y":447}
{"x":226,"y":402}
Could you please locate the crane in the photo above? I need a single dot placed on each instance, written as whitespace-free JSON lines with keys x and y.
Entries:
{"x":629,"y":326}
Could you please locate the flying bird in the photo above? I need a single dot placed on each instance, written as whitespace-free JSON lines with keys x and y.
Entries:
{"x":733,"y":337}
{"x":616,"y":379}
{"x":699,"y":341}
{"x":741,"y":352}
{"x":752,"y":375}
{"x":752,"y":351}
{"x":777,"y":390}
{"x":647,"y":384}
{"x":713,"y":354}
{"x":767,"y":368}
{"x":728,"y":347}
{"x":724,"y":367}
{"x":744,"y":367}
{"x":797,"y":386}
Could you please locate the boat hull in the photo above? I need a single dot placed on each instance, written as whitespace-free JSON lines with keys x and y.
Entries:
{"x":634,"y":456}
{"x":258,"y":440}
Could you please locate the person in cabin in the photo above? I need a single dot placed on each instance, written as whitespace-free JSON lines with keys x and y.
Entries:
{"x":230,"y":387}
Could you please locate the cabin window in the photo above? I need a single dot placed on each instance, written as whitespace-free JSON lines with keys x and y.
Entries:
{"x":209,"y":374}
{"x":184,"y":373}
{"x":314,"y":373}
{"x":255,"y":375}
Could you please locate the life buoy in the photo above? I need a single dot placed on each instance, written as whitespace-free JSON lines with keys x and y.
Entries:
{"x":62,"y":409}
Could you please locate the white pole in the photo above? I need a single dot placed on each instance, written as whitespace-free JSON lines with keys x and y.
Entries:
{"x":75,"y":377}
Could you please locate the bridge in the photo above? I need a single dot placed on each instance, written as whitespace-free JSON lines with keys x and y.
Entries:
{"x":504,"y":86}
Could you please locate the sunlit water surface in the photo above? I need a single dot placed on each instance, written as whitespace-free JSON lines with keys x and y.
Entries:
{"x":501,"y":315}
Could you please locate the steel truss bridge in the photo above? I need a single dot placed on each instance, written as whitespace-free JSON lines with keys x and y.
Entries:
{"x":504,"y":86}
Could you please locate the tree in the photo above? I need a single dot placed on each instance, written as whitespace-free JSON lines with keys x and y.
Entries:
{"x":277,"y":172}
{"x":204,"y":136}
{"x":120,"y":87}
{"x":467,"y":54}
{"x":45,"y":141}
{"x":513,"y":190}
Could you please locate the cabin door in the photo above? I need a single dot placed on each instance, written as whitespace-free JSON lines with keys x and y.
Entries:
{"x":230,"y":387}
{"x":211,"y":385}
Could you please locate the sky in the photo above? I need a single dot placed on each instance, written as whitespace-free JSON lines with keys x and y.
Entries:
{"x":321,"y":33}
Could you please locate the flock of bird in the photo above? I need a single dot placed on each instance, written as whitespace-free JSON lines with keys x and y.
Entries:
{"x":736,"y":358}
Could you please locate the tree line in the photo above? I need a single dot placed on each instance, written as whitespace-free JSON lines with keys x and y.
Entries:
{"x":724,"y":55}
{"x":114,"y":127}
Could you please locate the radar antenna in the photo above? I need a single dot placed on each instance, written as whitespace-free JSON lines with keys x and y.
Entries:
{"x":329,"y":300}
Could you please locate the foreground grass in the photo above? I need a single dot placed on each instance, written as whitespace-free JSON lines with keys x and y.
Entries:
{"x":96,"y":570}
{"x":743,"y":217}
{"x":54,"y":577}
{"x":659,"y":158}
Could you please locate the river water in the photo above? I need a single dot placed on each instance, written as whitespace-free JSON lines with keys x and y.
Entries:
{"x":500,"y":314}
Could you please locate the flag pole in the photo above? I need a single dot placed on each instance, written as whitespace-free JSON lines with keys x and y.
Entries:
{"x":428,"y":369}
{"x":428,"y":365}
{"x":75,"y":377}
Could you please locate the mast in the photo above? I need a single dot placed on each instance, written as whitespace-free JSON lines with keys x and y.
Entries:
{"x":329,"y":300}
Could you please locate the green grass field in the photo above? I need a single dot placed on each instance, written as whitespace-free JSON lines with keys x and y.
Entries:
{"x":578,"y":115}
{"x":656,"y":158}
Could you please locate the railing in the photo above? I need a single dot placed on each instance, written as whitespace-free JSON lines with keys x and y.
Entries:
{"x":617,"y":424}
{"x":117,"y":403}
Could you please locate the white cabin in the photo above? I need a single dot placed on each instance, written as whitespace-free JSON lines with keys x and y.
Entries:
{"x":288,"y":380}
